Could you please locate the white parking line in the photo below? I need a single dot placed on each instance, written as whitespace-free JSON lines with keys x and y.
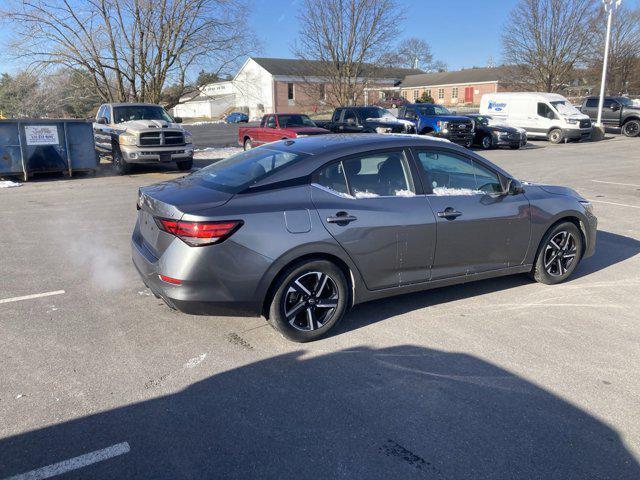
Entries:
{"x":613,"y":203}
{"x":29,"y":297}
{"x":616,"y":183}
{"x":74,"y":463}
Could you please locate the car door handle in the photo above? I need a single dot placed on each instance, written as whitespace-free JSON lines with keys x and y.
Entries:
{"x":341,"y":217}
{"x":449,"y":213}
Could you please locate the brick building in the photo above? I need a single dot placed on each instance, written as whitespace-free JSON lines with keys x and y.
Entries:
{"x":462,"y":87}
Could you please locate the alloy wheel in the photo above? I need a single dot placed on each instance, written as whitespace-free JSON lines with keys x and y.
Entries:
{"x":631,"y":129}
{"x":560,"y":253}
{"x":310,"y":301}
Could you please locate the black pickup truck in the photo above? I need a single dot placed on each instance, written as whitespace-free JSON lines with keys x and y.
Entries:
{"x":616,"y":112}
{"x":364,"y":120}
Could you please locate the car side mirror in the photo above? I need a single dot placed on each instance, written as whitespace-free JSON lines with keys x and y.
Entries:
{"x":615,"y":107}
{"x":102,"y":121}
{"x":177,"y":119}
{"x":514,"y":187}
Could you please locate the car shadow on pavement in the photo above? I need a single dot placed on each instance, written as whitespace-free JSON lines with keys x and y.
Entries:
{"x":401,"y":412}
{"x":611,"y":249}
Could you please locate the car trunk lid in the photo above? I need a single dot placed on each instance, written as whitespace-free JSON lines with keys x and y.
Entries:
{"x":172,"y":200}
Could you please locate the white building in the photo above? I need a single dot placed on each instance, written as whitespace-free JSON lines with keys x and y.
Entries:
{"x":276,"y":85}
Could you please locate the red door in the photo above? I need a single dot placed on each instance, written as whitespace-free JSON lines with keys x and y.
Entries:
{"x":468,"y":94}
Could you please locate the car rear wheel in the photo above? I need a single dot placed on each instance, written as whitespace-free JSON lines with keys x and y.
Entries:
{"x":555,"y":135}
{"x":487,"y":142}
{"x":120,"y":166}
{"x":631,"y":128}
{"x":558,"y":255}
{"x":185,"y":165}
{"x":310,"y":298}
{"x":514,"y":147}
{"x":248,"y":145}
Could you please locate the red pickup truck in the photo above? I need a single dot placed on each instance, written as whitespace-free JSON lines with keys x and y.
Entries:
{"x":278,"y":126}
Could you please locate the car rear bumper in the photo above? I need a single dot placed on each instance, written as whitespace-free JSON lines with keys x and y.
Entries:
{"x":211,"y":284}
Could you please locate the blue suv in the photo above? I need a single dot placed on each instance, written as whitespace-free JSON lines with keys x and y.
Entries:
{"x":437,"y":121}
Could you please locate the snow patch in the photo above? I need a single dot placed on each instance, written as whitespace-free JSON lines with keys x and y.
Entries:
{"x":195,"y":361}
{"x":405,"y":193}
{"x":9,"y":184}
{"x":215,"y":152}
{"x":366,"y":195}
{"x":440,"y":191}
{"x":205,"y":122}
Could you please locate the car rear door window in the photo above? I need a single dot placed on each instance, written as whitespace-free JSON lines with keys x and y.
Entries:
{"x":380,"y":174}
{"x":350,"y":117}
{"x":271,"y":121}
{"x":592,"y":103}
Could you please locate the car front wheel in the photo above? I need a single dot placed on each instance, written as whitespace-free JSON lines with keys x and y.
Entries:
{"x":555,"y":135}
{"x":487,"y":142}
{"x":120,"y":166}
{"x":631,"y":128}
{"x":558,"y":255}
{"x":310,"y":298}
{"x":248,"y":145}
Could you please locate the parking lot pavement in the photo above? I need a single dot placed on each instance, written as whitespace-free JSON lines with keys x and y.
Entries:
{"x":502,"y":378}
{"x":215,"y":134}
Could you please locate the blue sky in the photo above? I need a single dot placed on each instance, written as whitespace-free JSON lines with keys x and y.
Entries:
{"x":463,"y":33}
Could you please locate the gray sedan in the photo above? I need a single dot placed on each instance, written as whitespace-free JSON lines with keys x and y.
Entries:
{"x":301,"y":230}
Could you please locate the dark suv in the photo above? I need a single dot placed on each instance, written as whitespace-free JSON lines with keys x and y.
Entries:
{"x":616,"y":112}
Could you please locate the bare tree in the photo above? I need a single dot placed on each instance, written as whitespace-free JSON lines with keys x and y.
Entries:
{"x":412,"y":53}
{"x":131,"y":49}
{"x":623,"y":69}
{"x":341,"y":40}
{"x":545,"y":40}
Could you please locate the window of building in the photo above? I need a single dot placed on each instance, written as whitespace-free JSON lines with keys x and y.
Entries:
{"x":415,"y":95}
{"x":454,"y":93}
{"x":290,"y":91}
{"x":429,"y":92}
{"x":440,"y":93}
{"x":383,"y":95}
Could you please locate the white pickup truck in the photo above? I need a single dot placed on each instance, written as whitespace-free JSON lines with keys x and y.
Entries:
{"x":141,"y":133}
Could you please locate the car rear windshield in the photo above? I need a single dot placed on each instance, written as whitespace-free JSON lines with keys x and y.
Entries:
{"x":295,"y":121}
{"x":244,"y":169}
{"x":432,"y":110}
{"x":140,"y":112}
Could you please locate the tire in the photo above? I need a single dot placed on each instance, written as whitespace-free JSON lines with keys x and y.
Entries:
{"x":185,"y":165}
{"x":555,"y":136}
{"x":119,"y":165}
{"x":548,"y":268}
{"x":631,"y":128}
{"x":514,"y":147}
{"x":248,"y":144}
{"x":298,"y":311}
{"x":486,"y":142}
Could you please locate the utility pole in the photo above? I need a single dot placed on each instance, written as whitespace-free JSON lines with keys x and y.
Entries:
{"x":609,"y":7}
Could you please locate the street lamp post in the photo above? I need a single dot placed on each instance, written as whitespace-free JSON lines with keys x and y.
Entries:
{"x":609,"y":7}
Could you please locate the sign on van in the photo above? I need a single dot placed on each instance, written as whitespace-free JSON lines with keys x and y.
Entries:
{"x":497,"y":107}
{"x":41,"y":134}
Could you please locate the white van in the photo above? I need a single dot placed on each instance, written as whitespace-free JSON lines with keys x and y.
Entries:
{"x":542,"y":115}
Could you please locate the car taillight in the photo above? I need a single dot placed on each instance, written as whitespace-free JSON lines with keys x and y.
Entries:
{"x":197,"y":234}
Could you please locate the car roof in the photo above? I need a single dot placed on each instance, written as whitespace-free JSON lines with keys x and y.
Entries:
{"x":321,"y":149}
{"x":125,"y":104}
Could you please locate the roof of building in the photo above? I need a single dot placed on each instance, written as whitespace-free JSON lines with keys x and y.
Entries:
{"x":469,"y":75}
{"x":298,"y":67}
